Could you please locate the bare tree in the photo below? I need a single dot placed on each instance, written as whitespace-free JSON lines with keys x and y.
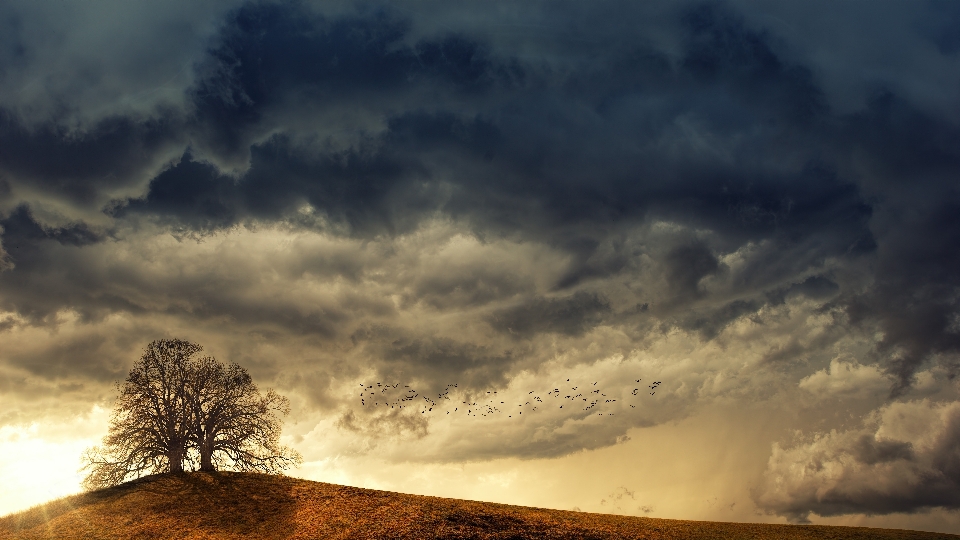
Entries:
{"x":175,"y":409}
{"x":149,"y":429}
{"x":234,"y":425}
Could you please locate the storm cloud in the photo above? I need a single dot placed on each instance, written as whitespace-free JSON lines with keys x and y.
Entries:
{"x":904,"y":460}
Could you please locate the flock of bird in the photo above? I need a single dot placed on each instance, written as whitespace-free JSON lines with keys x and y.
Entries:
{"x":587,"y":397}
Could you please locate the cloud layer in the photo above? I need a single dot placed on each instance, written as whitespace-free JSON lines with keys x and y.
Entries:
{"x":903,"y":460}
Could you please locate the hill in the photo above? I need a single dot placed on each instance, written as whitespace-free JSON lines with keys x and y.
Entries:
{"x":246,"y":505}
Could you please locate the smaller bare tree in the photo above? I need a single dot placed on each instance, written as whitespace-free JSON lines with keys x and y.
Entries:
{"x":234,"y":425}
{"x":174,"y":409}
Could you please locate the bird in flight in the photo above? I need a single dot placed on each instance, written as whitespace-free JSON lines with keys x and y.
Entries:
{"x":405,"y":398}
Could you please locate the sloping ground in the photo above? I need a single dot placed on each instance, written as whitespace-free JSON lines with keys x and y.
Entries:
{"x":245,"y":505}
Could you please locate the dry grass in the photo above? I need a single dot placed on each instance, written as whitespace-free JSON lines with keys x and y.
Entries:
{"x":235,"y":505}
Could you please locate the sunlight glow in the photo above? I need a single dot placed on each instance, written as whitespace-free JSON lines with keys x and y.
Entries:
{"x":41,"y":461}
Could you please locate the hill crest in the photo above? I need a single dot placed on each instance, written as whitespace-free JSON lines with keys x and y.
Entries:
{"x":248,"y":505}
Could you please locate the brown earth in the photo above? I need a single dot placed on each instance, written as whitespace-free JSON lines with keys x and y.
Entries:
{"x":246,"y":505}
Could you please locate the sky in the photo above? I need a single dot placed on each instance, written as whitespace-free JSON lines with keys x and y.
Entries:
{"x":737,"y":221}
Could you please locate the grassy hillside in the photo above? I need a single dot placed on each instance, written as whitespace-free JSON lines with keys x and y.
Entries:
{"x":235,"y":505}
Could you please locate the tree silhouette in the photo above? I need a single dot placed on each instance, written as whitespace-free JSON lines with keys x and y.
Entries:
{"x":233,"y":424}
{"x":175,"y":410}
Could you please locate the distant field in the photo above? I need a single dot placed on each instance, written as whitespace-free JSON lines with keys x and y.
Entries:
{"x":245,"y":505}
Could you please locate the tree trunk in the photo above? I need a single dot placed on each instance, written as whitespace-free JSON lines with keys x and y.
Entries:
{"x":176,"y":461}
{"x":206,"y":456}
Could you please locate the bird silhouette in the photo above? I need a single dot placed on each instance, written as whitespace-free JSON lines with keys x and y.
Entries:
{"x":387,"y":391}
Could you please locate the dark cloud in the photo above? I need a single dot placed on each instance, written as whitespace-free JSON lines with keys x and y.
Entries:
{"x":33,"y":283}
{"x":194,"y":194}
{"x":467,"y":286}
{"x":505,"y":157}
{"x":720,"y":48}
{"x":913,"y":158}
{"x":419,"y":131}
{"x":869,"y":472}
{"x":89,"y":356}
{"x":79,"y":164}
{"x":815,"y":287}
{"x":711,"y":323}
{"x":869,"y":451}
{"x":438,"y":360}
{"x":590,"y":260}
{"x":23,"y":239}
{"x":21,"y":232}
{"x":356,"y":188}
{"x":464,"y":63}
{"x":392,"y":424}
{"x":548,"y":150}
{"x":5,"y":190}
{"x":13,"y":50}
{"x":268,"y":51}
{"x":52,"y":272}
{"x":686,"y":266}
{"x":942,"y":30}
{"x":572,"y":315}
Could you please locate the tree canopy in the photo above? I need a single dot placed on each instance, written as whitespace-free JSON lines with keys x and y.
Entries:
{"x":177,"y":410}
